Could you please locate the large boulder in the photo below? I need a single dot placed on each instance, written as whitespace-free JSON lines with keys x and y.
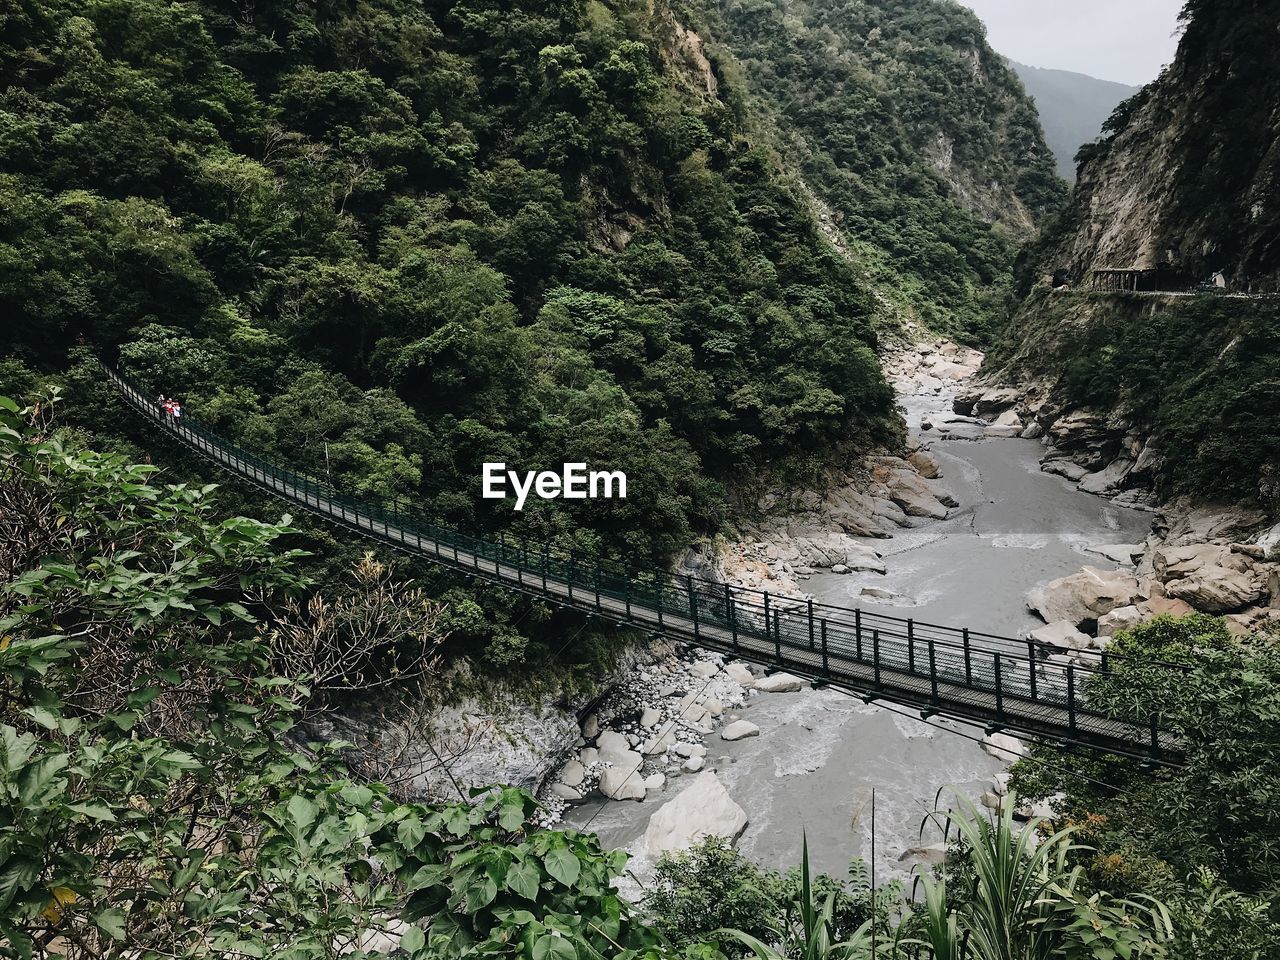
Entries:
{"x":1164,"y":607}
{"x":1078,"y":428}
{"x":1119,"y":619}
{"x":573,"y":773}
{"x":1062,"y":635}
{"x":623,"y":781}
{"x":1175,"y":563}
{"x":1218,"y":590}
{"x":780,"y":683}
{"x":1109,"y":478}
{"x":1269,"y":543}
{"x":702,"y":809}
{"x":739,"y":730}
{"x":925,"y":464}
{"x":912,"y":493}
{"x":612,"y":745}
{"x":1067,"y":469}
{"x":1002,"y":746}
{"x":1084,"y":597}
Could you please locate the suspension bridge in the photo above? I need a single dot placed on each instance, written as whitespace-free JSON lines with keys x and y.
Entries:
{"x":999,"y":683}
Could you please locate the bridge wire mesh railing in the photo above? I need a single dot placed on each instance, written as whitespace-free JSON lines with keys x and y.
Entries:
{"x":1015,"y":683}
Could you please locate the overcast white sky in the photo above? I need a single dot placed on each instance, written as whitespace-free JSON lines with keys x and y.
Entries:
{"x":1123,"y":40}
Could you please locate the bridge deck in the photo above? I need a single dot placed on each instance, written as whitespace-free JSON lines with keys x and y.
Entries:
{"x":979,"y":679}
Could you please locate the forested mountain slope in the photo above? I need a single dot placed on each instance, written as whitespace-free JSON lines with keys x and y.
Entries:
{"x":395,"y":240}
{"x":1072,"y":107}
{"x":911,"y":129}
{"x":1187,"y":179}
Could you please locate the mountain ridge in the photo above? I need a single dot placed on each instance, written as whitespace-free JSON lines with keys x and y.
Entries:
{"x":1073,"y":107}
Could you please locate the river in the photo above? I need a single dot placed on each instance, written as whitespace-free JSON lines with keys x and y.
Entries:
{"x":820,"y":752}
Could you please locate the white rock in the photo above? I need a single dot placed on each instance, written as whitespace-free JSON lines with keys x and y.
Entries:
{"x":651,"y":717}
{"x":588,"y":755}
{"x":564,"y":791}
{"x":704,"y":669}
{"x":1121,"y":618}
{"x":740,"y":673}
{"x":840,"y":568}
{"x":694,"y":714}
{"x":693,"y":764}
{"x":1004,"y":747}
{"x":738,"y":730}
{"x":1065,"y":468}
{"x":1062,"y":635}
{"x":655,"y":781}
{"x":780,"y":683}
{"x":1269,"y":542}
{"x":572,"y":773}
{"x":1040,"y":810}
{"x":386,"y":940}
{"x":612,"y":745}
{"x":622,"y":783}
{"x":661,"y":742}
{"x":682,"y":749}
{"x":1108,"y":479}
{"x":714,"y":706}
{"x":1084,"y":596}
{"x":702,"y":809}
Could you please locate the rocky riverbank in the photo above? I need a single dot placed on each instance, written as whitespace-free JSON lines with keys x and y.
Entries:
{"x":794,"y":534}
{"x":652,"y":728}
{"x":1217,"y":559}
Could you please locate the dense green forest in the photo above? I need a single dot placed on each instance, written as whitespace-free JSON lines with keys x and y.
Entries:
{"x":1196,"y":374}
{"x":917,"y":136}
{"x":395,"y":240}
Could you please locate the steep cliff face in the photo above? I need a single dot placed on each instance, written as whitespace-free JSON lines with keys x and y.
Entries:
{"x":915,"y":135}
{"x":1181,"y":393}
{"x":1189,"y":175}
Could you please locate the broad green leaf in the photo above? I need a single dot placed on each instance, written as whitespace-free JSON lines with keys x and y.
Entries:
{"x":111,"y":922}
{"x":413,"y":940}
{"x":523,"y":879}
{"x":410,"y":832}
{"x":98,"y":811}
{"x":562,"y":865}
{"x":301,"y":811}
{"x":552,"y":947}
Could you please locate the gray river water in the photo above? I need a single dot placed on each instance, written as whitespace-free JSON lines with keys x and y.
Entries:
{"x":820,"y":752}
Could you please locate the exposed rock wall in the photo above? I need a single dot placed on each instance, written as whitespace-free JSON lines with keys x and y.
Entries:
{"x":1190,"y":176}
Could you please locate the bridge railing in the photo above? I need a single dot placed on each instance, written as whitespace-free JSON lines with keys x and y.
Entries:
{"x":1014,"y":680}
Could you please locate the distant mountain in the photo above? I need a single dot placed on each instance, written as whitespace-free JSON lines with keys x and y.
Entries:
{"x":1073,"y":107}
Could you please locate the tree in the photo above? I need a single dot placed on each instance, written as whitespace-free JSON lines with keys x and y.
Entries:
{"x":155,"y":797}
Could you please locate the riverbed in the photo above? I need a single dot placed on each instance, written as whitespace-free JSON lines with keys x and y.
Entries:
{"x":820,"y":752}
